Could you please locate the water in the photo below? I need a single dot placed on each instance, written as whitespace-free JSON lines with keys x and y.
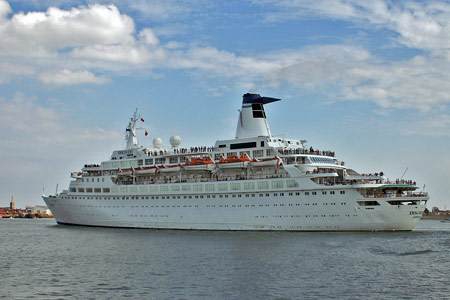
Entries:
{"x":41,"y":260}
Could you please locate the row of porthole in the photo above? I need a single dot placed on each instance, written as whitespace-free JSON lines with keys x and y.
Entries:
{"x":190,"y":197}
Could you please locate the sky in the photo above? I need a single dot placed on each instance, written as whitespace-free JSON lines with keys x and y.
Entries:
{"x":369,"y":80}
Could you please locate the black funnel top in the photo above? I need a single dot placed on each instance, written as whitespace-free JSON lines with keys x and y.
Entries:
{"x":256,"y":98}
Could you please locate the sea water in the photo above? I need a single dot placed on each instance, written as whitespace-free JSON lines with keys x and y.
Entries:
{"x":42,"y":260}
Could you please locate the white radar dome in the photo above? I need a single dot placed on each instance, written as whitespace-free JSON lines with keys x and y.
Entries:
{"x":175,"y":141}
{"x":157,"y":142}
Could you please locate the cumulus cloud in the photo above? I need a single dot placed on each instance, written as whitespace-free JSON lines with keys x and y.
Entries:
{"x":71,"y":41}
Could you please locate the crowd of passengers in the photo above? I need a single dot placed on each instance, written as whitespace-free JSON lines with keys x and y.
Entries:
{"x":306,"y":151}
{"x":92,"y":166}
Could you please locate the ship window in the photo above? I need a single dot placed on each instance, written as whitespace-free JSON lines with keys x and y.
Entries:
{"x":368,"y":203}
{"x":149,"y":161}
{"x":160,"y":160}
{"x":183,"y":159}
{"x":140,"y":162}
{"x":342,"y":192}
{"x":173,"y":160}
{"x":229,"y":154}
{"x":73,"y":190}
{"x":258,"y":153}
{"x":222,"y":146}
{"x":324,"y":193}
{"x":243,"y":145}
{"x":81,"y":190}
{"x":269,"y":152}
{"x":306,"y":193}
{"x":262,"y":143}
{"x":314,"y":193}
{"x":89,"y":190}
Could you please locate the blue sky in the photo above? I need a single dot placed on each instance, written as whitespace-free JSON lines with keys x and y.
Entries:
{"x":366,"y":79}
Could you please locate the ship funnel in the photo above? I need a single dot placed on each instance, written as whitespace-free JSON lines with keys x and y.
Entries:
{"x":252,"y":118}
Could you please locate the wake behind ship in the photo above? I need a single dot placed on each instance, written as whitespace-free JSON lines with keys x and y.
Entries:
{"x":255,"y":181}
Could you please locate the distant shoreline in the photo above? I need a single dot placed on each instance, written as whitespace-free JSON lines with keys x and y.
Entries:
{"x":435,"y":217}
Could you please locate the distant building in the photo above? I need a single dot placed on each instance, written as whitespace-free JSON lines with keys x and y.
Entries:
{"x":12,"y":205}
{"x":38,"y":210}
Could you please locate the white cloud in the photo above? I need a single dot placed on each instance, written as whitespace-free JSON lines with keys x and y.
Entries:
{"x":68,"y":77}
{"x":421,"y":25}
{"x":45,"y":33}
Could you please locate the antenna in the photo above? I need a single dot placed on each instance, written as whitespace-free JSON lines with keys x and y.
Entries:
{"x":404,"y":173}
{"x":56,"y":192}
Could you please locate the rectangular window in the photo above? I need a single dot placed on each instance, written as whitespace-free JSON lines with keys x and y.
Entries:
{"x":258,"y":153}
{"x":133,"y":189}
{"x":97,"y":190}
{"x":242,"y":145}
{"x":160,"y":160}
{"x":234,"y":186}
{"x":73,"y":190}
{"x":154,"y":188}
{"x":269,"y":152}
{"x":186,"y":187}
{"x":277,"y":184}
{"x":198,"y":187}
{"x":164,"y":188}
{"x":123,"y":189}
{"x":175,"y":188}
{"x":249,"y":185}
{"x":291,"y":183}
{"x":89,"y":190}
{"x":115,"y":189}
{"x":106,"y":190}
{"x":125,"y":164}
{"x":209,"y":187}
{"x":263,"y":185}
{"x":80,"y":190}
{"x":229,"y":154}
{"x":140,"y":162}
{"x":173,"y":160}
{"x":149,"y":161}
{"x":222,"y":186}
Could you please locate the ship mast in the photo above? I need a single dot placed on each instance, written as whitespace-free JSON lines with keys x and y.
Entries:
{"x":130,"y":136}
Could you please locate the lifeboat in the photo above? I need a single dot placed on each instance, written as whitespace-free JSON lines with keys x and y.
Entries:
{"x":124,"y":172}
{"x":169,"y":169}
{"x":199,"y":164}
{"x":146,"y":171}
{"x":233,"y":162}
{"x":264,"y":163}
{"x":76,"y":175}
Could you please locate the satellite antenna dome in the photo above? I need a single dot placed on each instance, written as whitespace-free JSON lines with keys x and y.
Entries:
{"x":175,"y":141}
{"x":157,"y":142}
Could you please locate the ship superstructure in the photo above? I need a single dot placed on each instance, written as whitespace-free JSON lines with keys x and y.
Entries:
{"x":255,"y":181}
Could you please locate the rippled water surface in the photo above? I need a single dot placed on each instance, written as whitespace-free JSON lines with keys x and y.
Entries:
{"x":41,"y":260}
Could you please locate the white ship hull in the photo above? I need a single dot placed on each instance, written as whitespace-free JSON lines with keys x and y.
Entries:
{"x":285,"y":210}
{"x":253,"y":182}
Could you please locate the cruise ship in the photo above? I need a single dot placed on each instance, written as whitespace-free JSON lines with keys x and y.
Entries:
{"x":255,"y":181}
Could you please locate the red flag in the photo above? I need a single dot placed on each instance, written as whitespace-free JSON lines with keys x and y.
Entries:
{"x":142,"y":120}
{"x":146,"y":133}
